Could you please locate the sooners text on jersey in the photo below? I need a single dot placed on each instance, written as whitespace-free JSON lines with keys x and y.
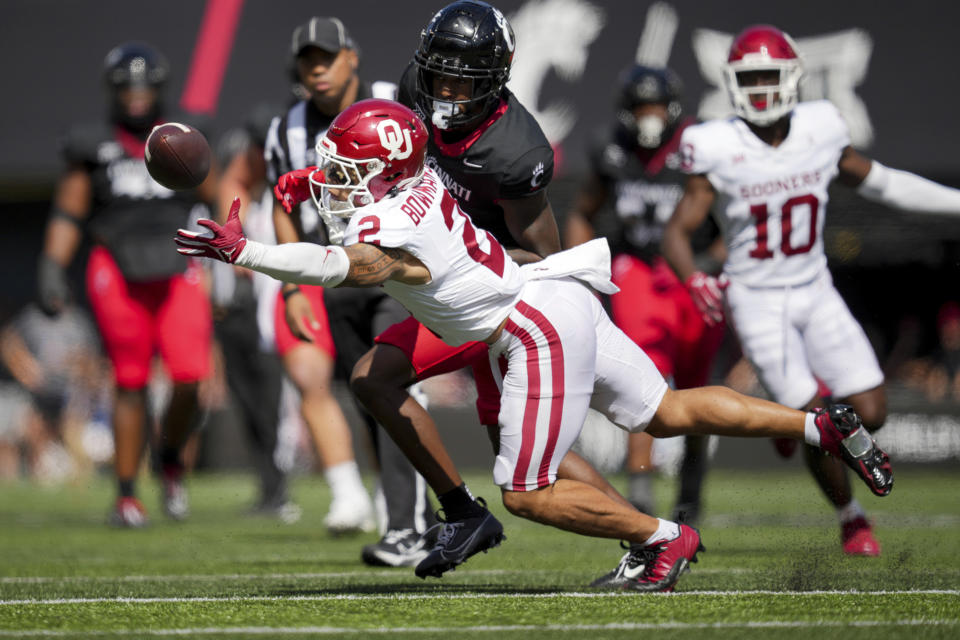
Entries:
{"x":772,"y":200}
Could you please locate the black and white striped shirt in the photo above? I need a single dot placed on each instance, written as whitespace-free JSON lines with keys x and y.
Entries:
{"x":292,"y":142}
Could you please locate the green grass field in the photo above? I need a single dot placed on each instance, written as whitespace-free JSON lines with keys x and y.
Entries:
{"x":773,"y":569}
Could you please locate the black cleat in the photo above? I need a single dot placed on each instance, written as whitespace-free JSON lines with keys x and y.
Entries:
{"x":397,"y":548}
{"x":842,"y":434}
{"x":459,"y":540}
{"x":631,"y":566}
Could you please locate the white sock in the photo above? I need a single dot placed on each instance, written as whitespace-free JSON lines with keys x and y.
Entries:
{"x":810,"y":432}
{"x":666,"y":531}
{"x":851,"y":512}
{"x":344,"y":480}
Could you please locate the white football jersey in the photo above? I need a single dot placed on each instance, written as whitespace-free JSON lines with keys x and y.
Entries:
{"x":474,"y":285}
{"x":771,"y":200}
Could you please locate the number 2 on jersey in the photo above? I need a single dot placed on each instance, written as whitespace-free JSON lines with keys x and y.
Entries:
{"x":760,"y":216}
{"x":493,"y":260}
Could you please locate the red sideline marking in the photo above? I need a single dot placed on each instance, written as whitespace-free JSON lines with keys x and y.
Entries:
{"x":210,"y":56}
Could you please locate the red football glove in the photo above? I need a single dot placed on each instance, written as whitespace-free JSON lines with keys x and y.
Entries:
{"x":293,"y":188}
{"x":226,"y":243}
{"x":707,"y":294}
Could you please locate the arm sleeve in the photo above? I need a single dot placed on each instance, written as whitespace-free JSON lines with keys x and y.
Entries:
{"x":297,"y":262}
{"x":908,"y":191}
{"x":694,"y":154}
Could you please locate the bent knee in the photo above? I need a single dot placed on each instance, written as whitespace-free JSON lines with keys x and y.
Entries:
{"x":381,"y":369}
{"x":519,"y":503}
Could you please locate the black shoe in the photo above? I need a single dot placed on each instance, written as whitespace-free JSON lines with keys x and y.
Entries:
{"x":687,"y":513}
{"x":631,"y":566}
{"x":397,"y":548}
{"x":842,"y":434}
{"x":461,"y":539}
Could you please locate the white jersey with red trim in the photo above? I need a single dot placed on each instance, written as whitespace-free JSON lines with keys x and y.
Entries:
{"x":771,"y":200}
{"x":474,"y":284}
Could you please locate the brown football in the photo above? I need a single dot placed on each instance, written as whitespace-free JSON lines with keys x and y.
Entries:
{"x":177,"y":156}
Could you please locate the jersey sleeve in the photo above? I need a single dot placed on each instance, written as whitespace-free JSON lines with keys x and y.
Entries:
{"x":833,"y":125}
{"x":274,"y":154}
{"x":696,"y":152}
{"x":383,"y":226}
{"x":528,"y":174}
{"x":79,"y":145}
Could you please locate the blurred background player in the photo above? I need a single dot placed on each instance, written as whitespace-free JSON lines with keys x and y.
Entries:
{"x":765,"y":173}
{"x":317,"y":330}
{"x":144,"y":301}
{"x":244,"y":312}
{"x":635,"y":180}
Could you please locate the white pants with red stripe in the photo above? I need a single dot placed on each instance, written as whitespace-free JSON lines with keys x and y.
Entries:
{"x":564,"y":355}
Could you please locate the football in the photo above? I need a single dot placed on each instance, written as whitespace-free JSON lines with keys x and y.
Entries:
{"x":177,"y":156}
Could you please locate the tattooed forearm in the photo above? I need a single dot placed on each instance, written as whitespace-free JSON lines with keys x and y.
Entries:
{"x":371,"y":266}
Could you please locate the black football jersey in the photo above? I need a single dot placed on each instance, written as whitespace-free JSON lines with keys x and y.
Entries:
{"x":506,"y":157}
{"x":644,"y":188}
{"x":132,"y":215}
{"x":292,"y":144}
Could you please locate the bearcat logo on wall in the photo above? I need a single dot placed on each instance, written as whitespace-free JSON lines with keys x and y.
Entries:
{"x":833,"y":66}
{"x":555,"y":35}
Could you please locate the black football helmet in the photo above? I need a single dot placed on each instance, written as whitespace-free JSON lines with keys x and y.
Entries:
{"x":641,"y":85}
{"x":468,"y":39}
{"x":134,"y":64}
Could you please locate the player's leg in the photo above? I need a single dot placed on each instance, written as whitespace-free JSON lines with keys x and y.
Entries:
{"x":697,"y":346}
{"x":126,"y":328}
{"x":310,"y":367}
{"x":541,"y":418}
{"x":380,"y":381}
{"x":184,"y":326}
{"x":646,"y":311}
{"x":488,"y":375}
{"x":841,"y":356}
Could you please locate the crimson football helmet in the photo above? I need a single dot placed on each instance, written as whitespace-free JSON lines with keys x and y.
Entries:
{"x":762,"y":48}
{"x":370,"y":149}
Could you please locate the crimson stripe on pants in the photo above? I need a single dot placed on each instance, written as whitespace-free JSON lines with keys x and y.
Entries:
{"x":528,"y":438}
{"x":557,"y":386}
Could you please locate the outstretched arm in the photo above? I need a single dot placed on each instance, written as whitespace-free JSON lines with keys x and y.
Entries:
{"x":359,"y":265}
{"x":894,"y":187}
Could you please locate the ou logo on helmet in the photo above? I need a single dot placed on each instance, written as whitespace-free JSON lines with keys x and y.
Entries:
{"x":395,"y":139}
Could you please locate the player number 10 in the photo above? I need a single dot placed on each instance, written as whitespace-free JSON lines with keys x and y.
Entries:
{"x":760,"y":216}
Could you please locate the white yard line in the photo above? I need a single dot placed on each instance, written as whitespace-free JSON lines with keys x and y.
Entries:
{"x":459,"y":596}
{"x":625,"y":626}
{"x":210,"y":577}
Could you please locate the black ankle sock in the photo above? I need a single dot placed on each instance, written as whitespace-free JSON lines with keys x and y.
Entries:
{"x":458,"y":503}
{"x":170,"y":458}
{"x":125,"y":488}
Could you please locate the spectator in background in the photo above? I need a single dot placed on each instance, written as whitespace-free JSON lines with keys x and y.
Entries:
{"x":56,"y":361}
{"x":632,"y":187}
{"x":143,"y":300}
{"x":243,"y":313}
{"x":765,"y":174}
{"x":943,"y":377}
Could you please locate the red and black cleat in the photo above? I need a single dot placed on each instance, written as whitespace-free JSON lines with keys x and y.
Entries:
{"x":842,"y":434}
{"x":663,"y":562}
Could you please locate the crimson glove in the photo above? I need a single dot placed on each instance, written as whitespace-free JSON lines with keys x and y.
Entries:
{"x":226,"y":243}
{"x":293,"y":188}
{"x":707,"y":294}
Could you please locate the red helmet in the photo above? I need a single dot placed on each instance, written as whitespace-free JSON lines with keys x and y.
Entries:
{"x":762,"y":48}
{"x":371,"y":148}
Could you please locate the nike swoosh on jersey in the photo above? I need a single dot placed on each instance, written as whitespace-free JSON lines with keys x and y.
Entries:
{"x":472,"y":165}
